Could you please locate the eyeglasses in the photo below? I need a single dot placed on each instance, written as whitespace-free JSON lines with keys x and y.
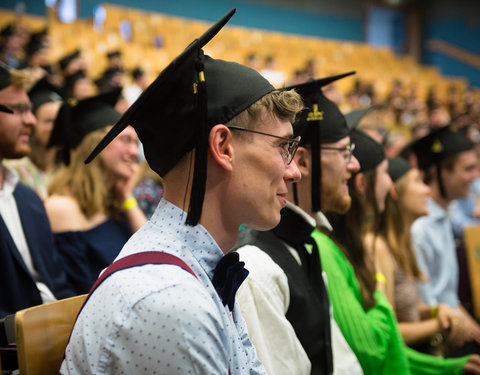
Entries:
{"x":288,"y":148}
{"x":21,"y":109}
{"x":347,"y":151}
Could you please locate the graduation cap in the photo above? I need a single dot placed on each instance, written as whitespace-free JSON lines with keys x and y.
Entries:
{"x":5,"y":81}
{"x":44,"y":92}
{"x":76,"y":119}
{"x":36,"y":42}
{"x":397,"y":167}
{"x":71,"y":80}
{"x":437,"y":146}
{"x":7,"y":31}
{"x":320,"y":122}
{"x":5,"y":77}
{"x":112,"y":54}
{"x":105,"y":82}
{"x":368,"y":152}
{"x":353,"y":118}
{"x":64,"y":61}
{"x":174,"y":114}
{"x":137,"y":72}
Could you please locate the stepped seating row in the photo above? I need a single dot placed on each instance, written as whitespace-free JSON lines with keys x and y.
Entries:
{"x":378,"y":65}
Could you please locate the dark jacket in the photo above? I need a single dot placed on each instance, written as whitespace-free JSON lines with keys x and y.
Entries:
{"x":18,"y":289}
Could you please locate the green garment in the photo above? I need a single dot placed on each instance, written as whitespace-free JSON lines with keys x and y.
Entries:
{"x":373,"y":335}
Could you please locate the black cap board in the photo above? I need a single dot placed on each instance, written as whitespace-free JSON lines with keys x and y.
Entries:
{"x":5,"y":81}
{"x":64,"y":61}
{"x":397,"y":167}
{"x":353,"y":118}
{"x":44,"y":92}
{"x":174,"y":114}
{"x":320,"y":122}
{"x":76,"y":119}
{"x":368,"y":152}
{"x":438,"y":145}
{"x":5,"y":78}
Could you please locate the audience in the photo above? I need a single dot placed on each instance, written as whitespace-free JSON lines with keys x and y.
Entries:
{"x":356,"y":290}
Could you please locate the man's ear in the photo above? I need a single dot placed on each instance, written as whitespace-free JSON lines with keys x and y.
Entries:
{"x":359,"y":183}
{"x":220,"y":146}
{"x":303,"y":159}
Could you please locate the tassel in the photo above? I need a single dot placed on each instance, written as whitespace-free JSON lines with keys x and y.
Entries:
{"x":200,"y":170}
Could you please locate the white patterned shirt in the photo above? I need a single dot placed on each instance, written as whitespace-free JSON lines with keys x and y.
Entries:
{"x":159,"y":319}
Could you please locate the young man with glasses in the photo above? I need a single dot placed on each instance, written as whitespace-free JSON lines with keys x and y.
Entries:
{"x":174,"y":310}
{"x":29,"y":265}
{"x":284,"y":300}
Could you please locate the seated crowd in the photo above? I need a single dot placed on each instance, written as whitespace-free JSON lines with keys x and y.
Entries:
{"x":352,"y":263}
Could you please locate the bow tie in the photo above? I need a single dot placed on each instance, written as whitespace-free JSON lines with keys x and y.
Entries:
{"x":228,"y":276}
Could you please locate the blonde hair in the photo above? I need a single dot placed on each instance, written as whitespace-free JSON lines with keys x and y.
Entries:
{"x":397,"y":234}
{"x":87,"y":184}
{"x":21,"y":79}
{"x":285,"y":104}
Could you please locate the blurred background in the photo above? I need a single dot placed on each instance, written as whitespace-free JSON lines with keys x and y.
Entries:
{"x":419,"y":57}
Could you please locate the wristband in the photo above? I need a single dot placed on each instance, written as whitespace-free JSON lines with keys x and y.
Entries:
{"x":380,"y":277}
{"x":129,"y":203}
{"x":433,"y":311}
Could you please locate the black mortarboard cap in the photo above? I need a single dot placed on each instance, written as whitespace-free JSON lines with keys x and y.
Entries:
{"x":438,"y":145}
{"x":368,"y":152}
{"x":76,"y":119}
{"x":113,"y":54}
{"x":105,"y":82}
{"x":71,"y":79}
{"x":5,"y":77}
{"x":64,"y":61}
{"x":5,"y":81}
{"x":397,"y":167}
{"x":137,"y":72}
{"x":36,"y":42}
{"x":320,"y":122}
{"x":353,"y":118}
{"x":44,"y":92}
{"x":7,"y":31}
{"x":173,"y":115}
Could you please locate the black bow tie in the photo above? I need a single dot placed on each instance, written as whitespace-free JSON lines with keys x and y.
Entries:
{"x":228,"y":276}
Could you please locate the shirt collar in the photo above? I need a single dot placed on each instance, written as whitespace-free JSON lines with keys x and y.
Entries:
{"x":310,"y":220}
{"x":435,"y":211}
{"x":196,"y":242}
{"x":10,"y":180}
{"x":322,"y":221}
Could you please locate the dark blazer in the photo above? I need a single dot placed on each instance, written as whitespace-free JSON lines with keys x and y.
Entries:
{"x":18,"y":289}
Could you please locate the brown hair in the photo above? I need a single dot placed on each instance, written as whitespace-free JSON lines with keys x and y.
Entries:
{"x":349,"y":230}
{"x":397,"y":234}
